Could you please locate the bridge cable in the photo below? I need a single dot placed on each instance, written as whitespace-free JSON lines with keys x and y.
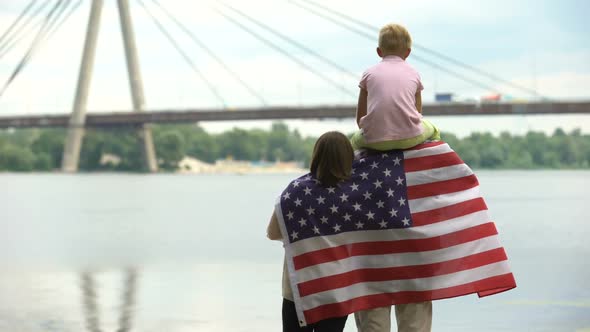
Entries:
{"x":183,"y":54}
{"x":428,"y":50}
{"x":294,"y":42}
{"x":418,"y":58}
{"x":17,"y":36}
{"x":210,"y":52}
{"x":47,"y":25}
{"x":286,"y":54}
{"x":17,"y":20}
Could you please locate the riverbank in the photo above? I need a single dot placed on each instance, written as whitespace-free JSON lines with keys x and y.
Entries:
{"x":189,"y":165}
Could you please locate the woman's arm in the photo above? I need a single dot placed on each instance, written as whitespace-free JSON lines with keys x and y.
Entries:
{"x":361,"y":108}
{"x":273,"y":231}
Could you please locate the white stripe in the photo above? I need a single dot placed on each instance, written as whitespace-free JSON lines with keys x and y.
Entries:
{"x":421,"y":284}
{"x":398,"y":260}
{"x":439,"y":149}
{"x":439,"y":201}
{"x":438,"y":174}
{"x":289,"y":259}
{"x":418,"y":232}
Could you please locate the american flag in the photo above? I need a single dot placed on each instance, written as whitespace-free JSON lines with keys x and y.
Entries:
{"x":408,"y":226}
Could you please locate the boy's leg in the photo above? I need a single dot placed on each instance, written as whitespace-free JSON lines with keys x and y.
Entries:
{"x":373,"y":320}
{"x":290,"y":320}
{"x":430,"y":128}
{"x":357,"y":140}
{"x":414,"y":317}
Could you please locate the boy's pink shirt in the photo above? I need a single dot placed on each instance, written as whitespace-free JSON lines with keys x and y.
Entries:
{"x":391,"y":103}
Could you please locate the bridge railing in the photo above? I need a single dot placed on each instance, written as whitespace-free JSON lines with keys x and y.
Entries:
{"x":131,"y":119}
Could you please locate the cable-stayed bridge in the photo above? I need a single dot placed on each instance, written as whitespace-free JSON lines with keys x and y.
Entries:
{"x":40,"y":20}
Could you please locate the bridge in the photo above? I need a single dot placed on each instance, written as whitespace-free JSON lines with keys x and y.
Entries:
{"x":135,"y":119}
{"x":50,"y":16}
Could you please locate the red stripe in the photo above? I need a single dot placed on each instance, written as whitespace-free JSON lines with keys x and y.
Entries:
{"x":442,"y":187}
{"x":432,"y":161}
{"x":448,"y":212}
{"x":426,"y":145}
{"x":490,"y":286}
{"x":393,"y":247}
{"x":401,"y":272}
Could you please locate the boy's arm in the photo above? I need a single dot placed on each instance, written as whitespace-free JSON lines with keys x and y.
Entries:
{"x":273,"y":231}
{"x":419,"y":102}
{"x":361,"y":108}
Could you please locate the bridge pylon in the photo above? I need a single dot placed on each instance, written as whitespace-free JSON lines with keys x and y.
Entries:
{"x":73,"y":144}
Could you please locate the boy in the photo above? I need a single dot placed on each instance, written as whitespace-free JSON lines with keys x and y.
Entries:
{"x":390,"y":102}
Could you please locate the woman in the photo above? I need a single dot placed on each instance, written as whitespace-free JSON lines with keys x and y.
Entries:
{"x":331,"y":163}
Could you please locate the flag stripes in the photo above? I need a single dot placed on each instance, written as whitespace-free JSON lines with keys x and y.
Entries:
{"x":449,"y":248}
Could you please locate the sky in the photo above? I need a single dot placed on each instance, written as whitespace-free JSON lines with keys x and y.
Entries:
{"x":540,"y":44}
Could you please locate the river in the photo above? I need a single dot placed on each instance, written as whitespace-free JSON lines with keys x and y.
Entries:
{"x":175,"y":253}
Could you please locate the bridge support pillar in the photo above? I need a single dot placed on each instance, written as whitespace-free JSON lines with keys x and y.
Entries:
{"x":136,"y":86}
{"x":71,"y":154}
{"x":73,"y":144}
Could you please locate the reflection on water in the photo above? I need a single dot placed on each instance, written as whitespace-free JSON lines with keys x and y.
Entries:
{"x":91,"y":311}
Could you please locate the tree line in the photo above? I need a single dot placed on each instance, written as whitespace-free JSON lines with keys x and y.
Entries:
{"x":26,"y":150}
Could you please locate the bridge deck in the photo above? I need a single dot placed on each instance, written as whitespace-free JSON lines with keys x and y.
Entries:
{"x":130,"y":119}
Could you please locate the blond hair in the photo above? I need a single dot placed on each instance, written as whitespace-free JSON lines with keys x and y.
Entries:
{"x":394,"y":39}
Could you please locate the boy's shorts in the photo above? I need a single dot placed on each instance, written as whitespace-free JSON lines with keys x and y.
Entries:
{"x":431,"y":132}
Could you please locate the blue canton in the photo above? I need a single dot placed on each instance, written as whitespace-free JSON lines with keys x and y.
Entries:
{"x":374,"y":198}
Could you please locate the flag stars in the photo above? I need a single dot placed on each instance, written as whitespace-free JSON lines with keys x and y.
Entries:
{"x":287,"y":195}
{"x":399,"y":181}
{"x":290,"y":215}
{"x":356,"y":206}
{"x":367,"y":195}
{"x":336,"y":228}
{"x":324,"y":219}
{"x":387,"y":172}
{"x":383,"y":223}
{"x":302,"y":222}
{"x":294,"y":235}
{"x":406,"y":221}
{"x":331,"y":190}
{"x":352,"y":170}
{"x":307,"y":191}
{"x":402,"y":201}
{"x":370,"y":215}
{"x":384,"y":155}
{"x":334,"y":208}
{"x":390,"y":192}
{"x":316,"y":230}
{"x":393,"y":212}
{"x":377,"y":183}
{"x":374,"y":165}
{"x":295,"y":183}
{"x":344,"y":198}
{"x":381,"y":204}
{"x":359,"y":225}
{"x":307,"y":178}
{"x":320,"y":200}
{"x":298,"y":202}
{"x":354,"y":187}
{"x":347,"y":217}
{"x":364,"y":175}
{"x":362,"y":160}
{"x":310,"y":211}
{"x":396,"y":161}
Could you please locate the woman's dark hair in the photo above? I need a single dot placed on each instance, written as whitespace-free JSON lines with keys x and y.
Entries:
{"x":331,"y":160}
